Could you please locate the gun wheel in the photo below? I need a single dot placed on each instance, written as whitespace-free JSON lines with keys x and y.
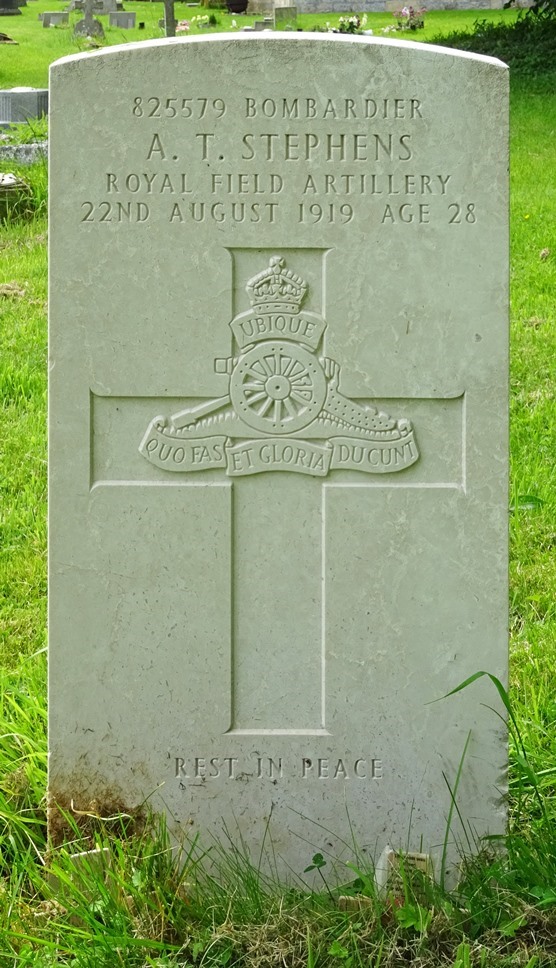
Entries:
{"x":278,"y":388}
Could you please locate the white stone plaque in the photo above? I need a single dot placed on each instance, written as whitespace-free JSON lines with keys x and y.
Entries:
{"x":278,"y":495}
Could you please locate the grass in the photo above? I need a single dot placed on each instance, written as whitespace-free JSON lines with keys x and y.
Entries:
{"x":37,"y":47}
{"x":135,"y":905}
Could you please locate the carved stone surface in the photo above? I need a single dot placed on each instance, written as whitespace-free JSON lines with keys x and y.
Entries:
{"x":278,"y":369}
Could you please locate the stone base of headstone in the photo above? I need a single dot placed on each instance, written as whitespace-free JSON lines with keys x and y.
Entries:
{"x":18,"y":105}
{"x":88,"y":28}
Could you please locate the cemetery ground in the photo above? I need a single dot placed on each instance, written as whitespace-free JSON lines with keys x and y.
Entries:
{"x":138,"y":907}
{"x":37,"y":47}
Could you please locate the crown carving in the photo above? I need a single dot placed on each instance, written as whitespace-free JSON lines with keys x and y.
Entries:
{"x":276,"y":289}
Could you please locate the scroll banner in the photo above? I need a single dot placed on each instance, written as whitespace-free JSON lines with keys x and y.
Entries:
{"x":374,"y":456}
{"x":256,"y":325}
{"x":182,"y":453}
{"x":277,"y":454}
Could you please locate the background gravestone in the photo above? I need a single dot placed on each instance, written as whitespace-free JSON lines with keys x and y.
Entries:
{"x":54,"y":18}
{"x":88,"y":26}
{"x":278,"y":426}
{"x":285,"y":16}
{"x":10,"y":8}
{"x":123,"y":19}
{"x":20,"y":104}
{"x":265,"y":7}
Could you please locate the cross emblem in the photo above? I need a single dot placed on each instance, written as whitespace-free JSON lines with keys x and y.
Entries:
{"x":283,"y":411}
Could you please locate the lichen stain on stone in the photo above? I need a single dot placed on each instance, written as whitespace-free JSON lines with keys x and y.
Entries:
{"x":70,"y":813}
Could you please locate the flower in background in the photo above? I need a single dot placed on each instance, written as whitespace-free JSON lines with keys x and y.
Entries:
{"x":182,"y":26}
{"x":410,"y":18}
{"x":351,"y":25}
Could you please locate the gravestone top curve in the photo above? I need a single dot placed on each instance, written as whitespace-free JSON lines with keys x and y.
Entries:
{"x":279,"y":36}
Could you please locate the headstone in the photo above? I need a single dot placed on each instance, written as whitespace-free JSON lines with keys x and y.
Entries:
{"x":123,"y":19}
{"x":54,"y":18}
{"x":278,"y":457}
{"x":10,"y":8}
{"x":19,"y":104}
{"x":99,"y":6}
{"x":88,"y":26}
{"x":261,"y":6}
{"x":285,"y":17}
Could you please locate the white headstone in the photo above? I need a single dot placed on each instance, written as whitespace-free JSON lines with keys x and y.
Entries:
{"x":278,"y":370}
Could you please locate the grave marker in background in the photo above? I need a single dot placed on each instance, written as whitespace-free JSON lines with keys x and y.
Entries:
{"x":278,"y":439}
{"x":21,"y":104}
{"x":285,"y":15}
{"x":123,"y":19}
{"x":88,"y":26}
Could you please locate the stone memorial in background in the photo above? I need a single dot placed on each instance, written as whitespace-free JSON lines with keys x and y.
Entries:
{"x":54,"y":18}
{"x":97,"y":6}
{"x":278,"y":390}
{"x":20,"y":104}
{"x":88,"y":26}
{"x":123,"y":19}
{"x":10,"y":8}
{"x":265,"y":7}
{"x":285,"y":16}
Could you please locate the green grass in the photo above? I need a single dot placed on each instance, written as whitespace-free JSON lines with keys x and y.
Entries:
{"x":22,"y":440}
{"x":37,"y":46}
{"x":141,"y":908}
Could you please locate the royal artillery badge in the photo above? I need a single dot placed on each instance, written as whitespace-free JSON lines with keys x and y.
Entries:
{"x":283,"y":410}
